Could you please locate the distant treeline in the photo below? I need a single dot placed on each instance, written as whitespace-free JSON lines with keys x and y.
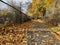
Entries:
{"x":11,"y":18}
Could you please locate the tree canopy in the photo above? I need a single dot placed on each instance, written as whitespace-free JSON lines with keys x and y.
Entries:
{"x":38,"y":6}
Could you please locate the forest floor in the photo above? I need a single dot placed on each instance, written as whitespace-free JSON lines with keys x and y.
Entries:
{"x":17,"y":34}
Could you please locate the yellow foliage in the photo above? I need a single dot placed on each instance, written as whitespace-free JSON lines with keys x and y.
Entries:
{"x":4,"y":12}
{"x":37,"y":3}
{"x":49,"y":2}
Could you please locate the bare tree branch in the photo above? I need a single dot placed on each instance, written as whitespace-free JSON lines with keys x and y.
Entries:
{"x":12,"y":6}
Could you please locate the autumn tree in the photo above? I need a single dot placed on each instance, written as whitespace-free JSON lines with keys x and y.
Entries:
{"x":38,"y":7}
